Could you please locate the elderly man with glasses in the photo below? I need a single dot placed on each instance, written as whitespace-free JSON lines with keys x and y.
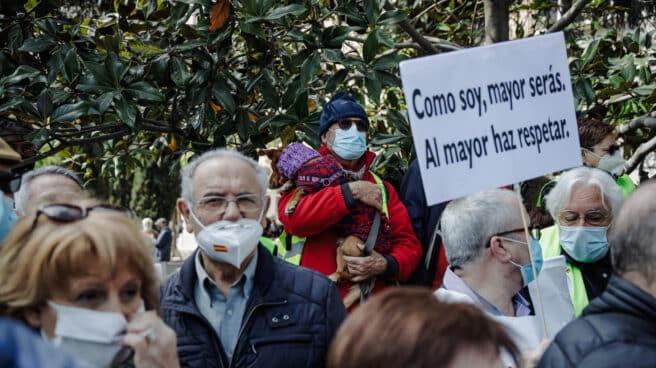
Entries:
{"x":583,"y":205}
{"x":232,"y":304}
{"x":488,"y":253}
{"x":344,"y":128}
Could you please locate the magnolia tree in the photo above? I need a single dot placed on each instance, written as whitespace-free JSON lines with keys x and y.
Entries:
{"x":123,"y":91}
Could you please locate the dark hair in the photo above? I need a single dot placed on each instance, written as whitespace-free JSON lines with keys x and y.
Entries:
{"x":409,"y":327}
{"x":592,"y":131}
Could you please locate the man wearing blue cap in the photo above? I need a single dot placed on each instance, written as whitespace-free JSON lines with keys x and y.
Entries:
{"x":344,"y":127}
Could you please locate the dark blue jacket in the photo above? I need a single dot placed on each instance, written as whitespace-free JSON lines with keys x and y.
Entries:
{"x":424,"y":220}
{"x":21,"y":347}
{"x":617,"y":329}
{"x":290,"y":318}
{"x":163,"y":244}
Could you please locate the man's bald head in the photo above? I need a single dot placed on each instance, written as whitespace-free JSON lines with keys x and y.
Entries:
{"x":633,"y":233}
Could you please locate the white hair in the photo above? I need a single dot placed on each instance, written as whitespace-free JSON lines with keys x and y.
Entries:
{"x":468,"y":223}
{"x":187,"y":172}
{"x":559,"y":196}
{"x":22,"y":196}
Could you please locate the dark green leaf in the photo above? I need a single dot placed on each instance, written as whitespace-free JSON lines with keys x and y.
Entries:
{"x":243,"y":124}
{"x":71,"y":65}
{"x":370,"y":48}
{"x":301,"y":105}
{"x":337,"y":79}
{"x":148,"y":7}
{"x":309,"y":68}
{"x":104,"y":101}
{"x":116,"y":69}
{"x":224,"y":98}
{"x":381,"y":139}
{"x":372,"y":11}
{"x":12,"y":102}
{"x":388,"y":62}
{"x":21,"y":73}
{"x":334,"y":36}
{"x":143,"y":91}
{"x":44,"y":104}
{"x":179,"y":74}
{"x":252,"y":28}
{"x":279,"y":12}
{"x":69,"y":112}
{"x":332,"y":55}
{"x":37,"y":44}
{"x":99,"y":73}
{"x":590,"y":52}
{"x":126,"y":112}
{"x":392,"y":17}
{"x":374,"y":87}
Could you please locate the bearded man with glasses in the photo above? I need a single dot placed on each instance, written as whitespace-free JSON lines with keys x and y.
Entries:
{"x":232,"y":304}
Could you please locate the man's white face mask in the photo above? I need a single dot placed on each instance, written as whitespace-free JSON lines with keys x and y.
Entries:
{"x":229,"y":241}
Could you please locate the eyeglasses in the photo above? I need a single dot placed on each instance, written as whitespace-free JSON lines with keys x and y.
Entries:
{"x":10,"y":182}
{"x":219,"y":204}
{"x":346,"y":124}
{"x":534,"y":233}
{"x":63,"y":212}
{"x":592,"y":218}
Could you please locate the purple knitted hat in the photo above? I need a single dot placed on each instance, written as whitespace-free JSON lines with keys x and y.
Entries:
{"x":293,"y":157}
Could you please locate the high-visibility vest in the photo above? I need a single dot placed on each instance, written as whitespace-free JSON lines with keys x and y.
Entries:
{"x":291,"y":248}
{"x":626,"y":183}
{"x":268,"y":243}
{"x":550,"y":243}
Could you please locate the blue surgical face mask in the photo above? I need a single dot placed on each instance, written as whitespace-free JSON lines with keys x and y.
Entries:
{"x":8,"y":217}
{"x":349,"y":144}
{"x":585,"y":244}
{"x":527,"y":270}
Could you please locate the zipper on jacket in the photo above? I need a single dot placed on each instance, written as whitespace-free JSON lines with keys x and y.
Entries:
{"x":248,"y":317}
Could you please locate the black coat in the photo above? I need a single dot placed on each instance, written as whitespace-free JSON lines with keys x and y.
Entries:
{"x":617,"y":329}
{"x":163,"y":244}
{"x":290,"y":320}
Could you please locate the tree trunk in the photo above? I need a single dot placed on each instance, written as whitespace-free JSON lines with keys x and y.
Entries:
{"x":496,"y":20}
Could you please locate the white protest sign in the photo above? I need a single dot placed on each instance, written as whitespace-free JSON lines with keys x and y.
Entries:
{"x":490,"y":116}
{"x":558,"y":308}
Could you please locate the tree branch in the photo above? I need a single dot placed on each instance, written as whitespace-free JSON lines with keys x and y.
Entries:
{"x":412,"y":32}
{"x":640,"y":154}
{"x":645,"y":121}
{"x":568,"y":17}
{"x":65,"y":144}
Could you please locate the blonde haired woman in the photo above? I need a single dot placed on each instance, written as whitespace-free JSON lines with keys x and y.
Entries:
{"x":82,"y":275}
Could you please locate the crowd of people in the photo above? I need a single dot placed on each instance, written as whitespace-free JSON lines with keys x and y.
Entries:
{"x":448,"y":285}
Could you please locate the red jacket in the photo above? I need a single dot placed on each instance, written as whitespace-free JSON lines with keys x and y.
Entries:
{"x":316,"y":215}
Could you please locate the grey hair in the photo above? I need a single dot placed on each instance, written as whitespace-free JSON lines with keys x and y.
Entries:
{"x":21,"y":197}
{"x":632,"y":236}
{"x":468,"y":223}
{"x":584,"y":176}
{"x":187,"y":172}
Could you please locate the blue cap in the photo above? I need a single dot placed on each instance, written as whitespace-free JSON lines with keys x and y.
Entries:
{"x":339,"y":107}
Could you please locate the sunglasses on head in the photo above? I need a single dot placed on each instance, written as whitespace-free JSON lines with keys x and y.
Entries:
{"x":346,"y":124}
{"x":64,"y":212}
{"x":10,"y":182}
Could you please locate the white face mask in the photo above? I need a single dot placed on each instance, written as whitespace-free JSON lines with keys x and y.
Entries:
{"x":92,"y":337}
{"x":613,"y":164}
{"x":229,"y":241}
